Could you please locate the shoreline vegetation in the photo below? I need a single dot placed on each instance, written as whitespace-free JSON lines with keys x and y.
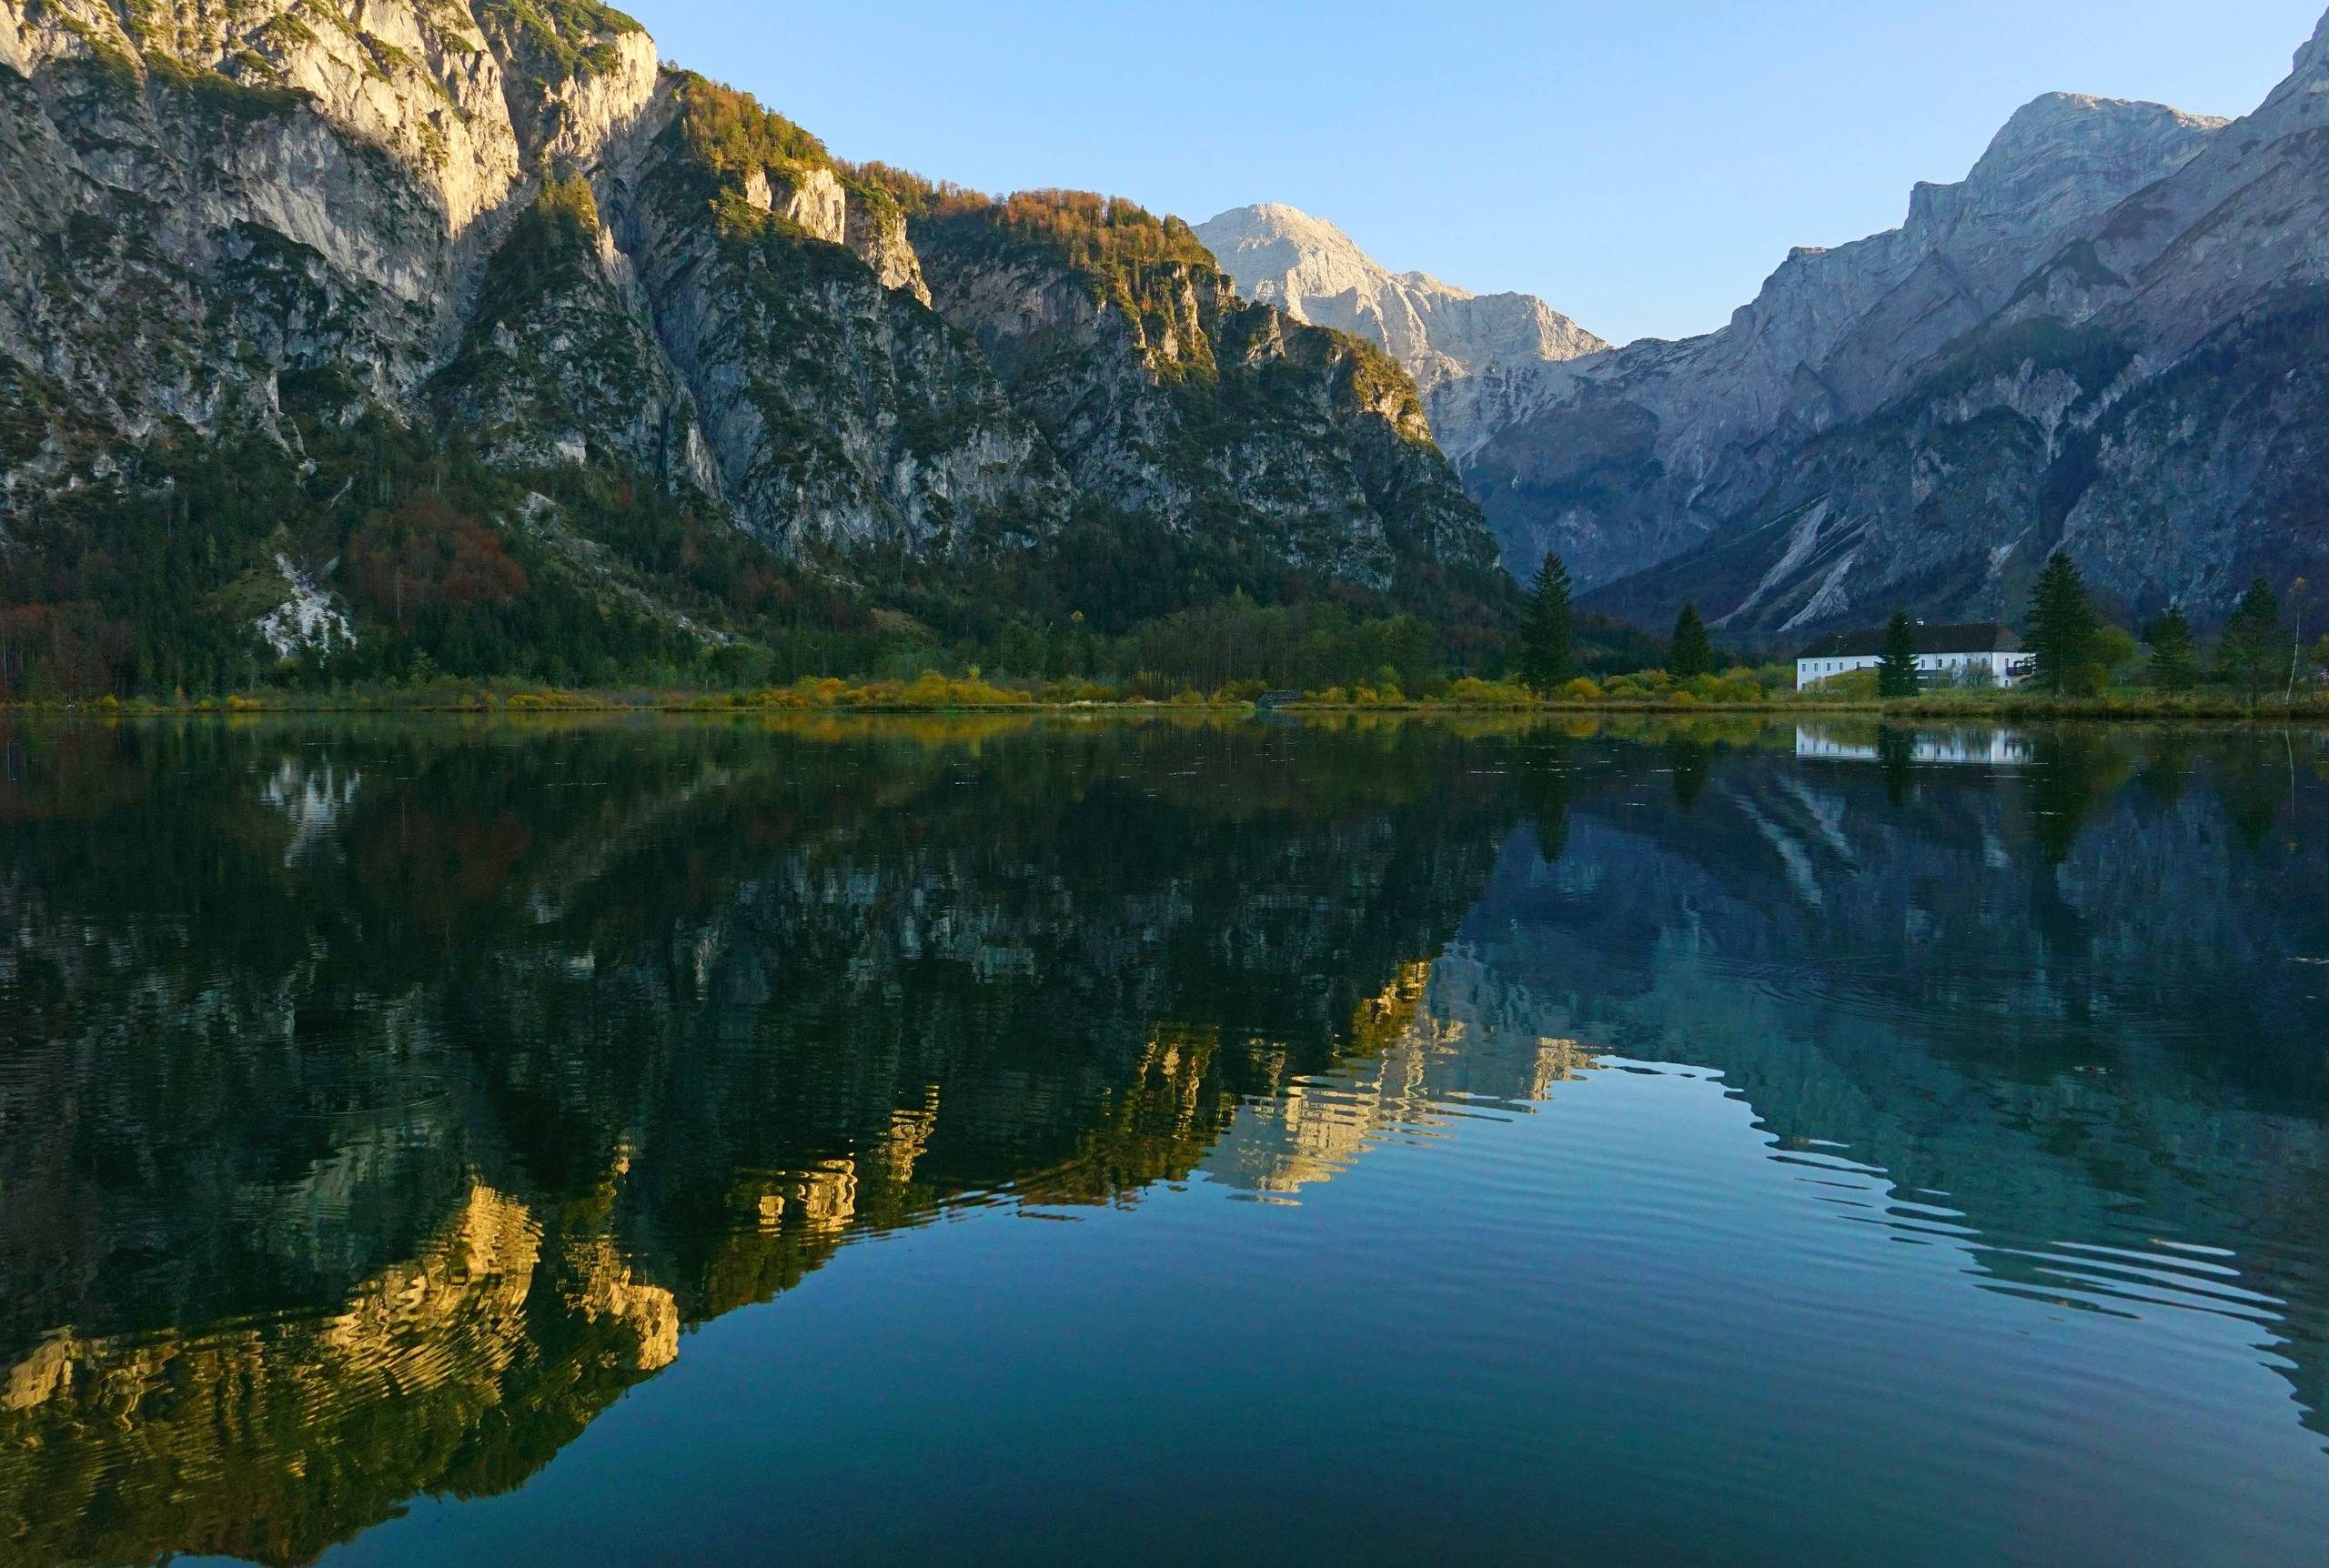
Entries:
{"x":1737,"y":693}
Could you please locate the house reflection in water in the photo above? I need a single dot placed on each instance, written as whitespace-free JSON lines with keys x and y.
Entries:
{"x":1974,"y":747}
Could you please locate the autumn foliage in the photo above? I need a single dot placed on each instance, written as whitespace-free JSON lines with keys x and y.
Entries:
{"x":425,"y":554}
{"x":63,"y":650}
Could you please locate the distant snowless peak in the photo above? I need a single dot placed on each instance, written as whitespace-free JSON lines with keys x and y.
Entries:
{"x":1478,"y":359}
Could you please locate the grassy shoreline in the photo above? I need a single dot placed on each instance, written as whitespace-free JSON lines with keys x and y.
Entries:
{"x":967,"y":696}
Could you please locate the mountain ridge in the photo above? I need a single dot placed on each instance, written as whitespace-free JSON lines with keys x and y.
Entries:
{"x":2093,"y":341}
{"x":281,"y":284}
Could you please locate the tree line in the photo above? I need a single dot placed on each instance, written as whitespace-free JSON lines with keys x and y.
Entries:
{"x":1545,"y":654}
{"x":2073,"y":651}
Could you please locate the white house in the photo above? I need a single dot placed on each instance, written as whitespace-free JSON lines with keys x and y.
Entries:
{"x":1946,"y":656}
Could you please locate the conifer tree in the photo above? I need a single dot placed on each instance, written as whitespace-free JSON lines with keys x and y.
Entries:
{"x":1546,"y":656}
{"x":2174,"y":657}
{"x":2255,"y":651}
{"x":1692,"y":652}
{"x":2062,"y":628}
{"x":1896,"y":672}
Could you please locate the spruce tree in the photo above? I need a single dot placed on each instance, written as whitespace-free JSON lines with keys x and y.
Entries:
{"x":2255,"y":652}
{"x":1546,"y":658}
{"x":2062,"y":628}
{"x":2174,"y":657}
{"x":1896,"y":672}
{"x":1692,"y":652}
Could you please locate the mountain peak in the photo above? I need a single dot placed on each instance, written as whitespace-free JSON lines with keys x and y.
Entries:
{"x":1472,"y":356}
{"x":2314,"y":50}
{"x":2077,"y":128}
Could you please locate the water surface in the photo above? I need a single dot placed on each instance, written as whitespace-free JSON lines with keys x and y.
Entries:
{"x":430,"y":1141}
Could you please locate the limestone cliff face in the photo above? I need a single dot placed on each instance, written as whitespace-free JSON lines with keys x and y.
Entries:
{"x":195,"y":206}
{"x":1479,"y":360}
{"x":838,"y":410}
{"x":506,"y":228}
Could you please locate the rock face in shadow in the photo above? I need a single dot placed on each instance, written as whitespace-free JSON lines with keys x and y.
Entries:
{"x":1662,"y":448}
{"x":2105,"y":345}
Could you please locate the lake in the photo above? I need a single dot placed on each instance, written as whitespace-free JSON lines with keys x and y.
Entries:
{"x":1036,"y":1141}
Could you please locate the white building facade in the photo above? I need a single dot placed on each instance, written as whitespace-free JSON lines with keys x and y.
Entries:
{"x":1955,"y":747}
{"x":1946,"y":656}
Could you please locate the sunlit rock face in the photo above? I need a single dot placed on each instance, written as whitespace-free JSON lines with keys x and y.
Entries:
{"x":1479,"y":360}
{"x":245,"y":191}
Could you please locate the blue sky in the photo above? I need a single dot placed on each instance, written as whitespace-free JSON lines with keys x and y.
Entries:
{"x":1642,"y":165}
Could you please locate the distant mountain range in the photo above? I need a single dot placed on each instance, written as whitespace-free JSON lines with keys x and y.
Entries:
{"x":2105,"y":339}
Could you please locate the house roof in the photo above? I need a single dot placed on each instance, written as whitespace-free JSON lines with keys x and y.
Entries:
{"x":1988,"y":638}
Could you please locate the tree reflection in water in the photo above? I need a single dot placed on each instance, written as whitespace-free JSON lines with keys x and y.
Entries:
{"x":383,"y":1099}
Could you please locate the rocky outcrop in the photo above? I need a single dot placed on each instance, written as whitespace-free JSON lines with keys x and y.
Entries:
{"x":838,"y":412}
{"x":1479,"y":360}
{"x":198,"y":204}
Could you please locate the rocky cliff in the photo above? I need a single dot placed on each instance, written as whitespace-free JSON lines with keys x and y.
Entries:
{"x":1208,"y":409}
{"x":318,"y":304}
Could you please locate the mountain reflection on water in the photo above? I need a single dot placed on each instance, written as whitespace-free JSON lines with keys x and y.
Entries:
{"x":380,"y":1099}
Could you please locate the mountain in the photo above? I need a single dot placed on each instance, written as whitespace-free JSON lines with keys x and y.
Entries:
{"x":2103,"y":341}
{"x":1481,"y":361}
{"x":1648,"y":451}
{"x":470,"y":331}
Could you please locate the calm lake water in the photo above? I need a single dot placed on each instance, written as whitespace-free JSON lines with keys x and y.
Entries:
{"x":696,"y":1142}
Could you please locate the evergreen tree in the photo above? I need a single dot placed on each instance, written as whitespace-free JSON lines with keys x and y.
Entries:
{"x":2256,"y":652}
{"x":2062,"y":629}
{"x":1896,"y":672}
{"x":1546,"y":658}
{"x":2174,"y":657}
{"x":1692,"y":652}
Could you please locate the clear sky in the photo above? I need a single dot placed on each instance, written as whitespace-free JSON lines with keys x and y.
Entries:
{"x":1643,"y":165}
